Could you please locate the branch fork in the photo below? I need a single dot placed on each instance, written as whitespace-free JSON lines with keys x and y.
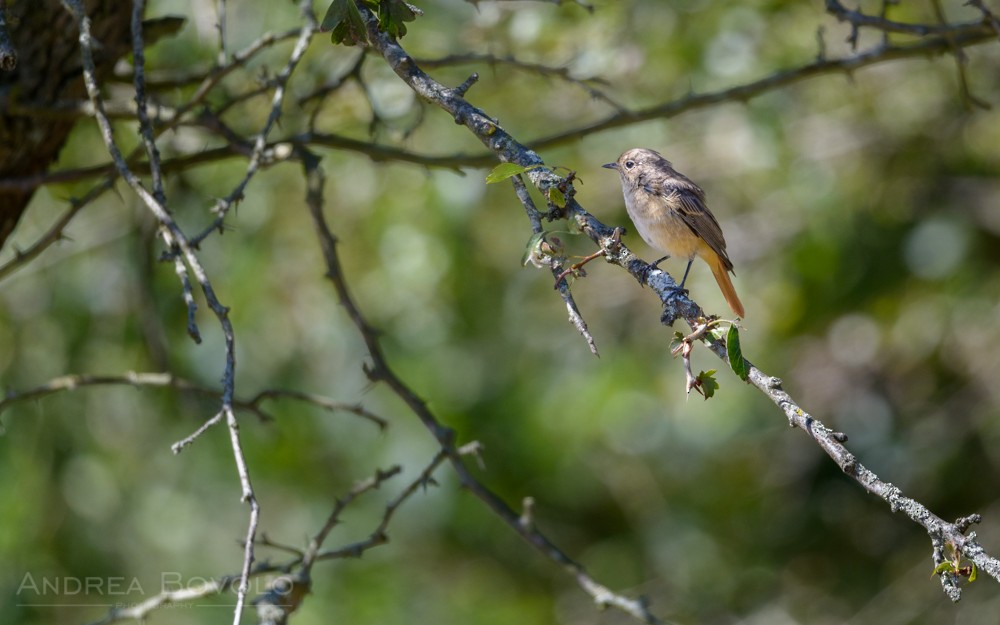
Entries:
{"x":609,"y":247}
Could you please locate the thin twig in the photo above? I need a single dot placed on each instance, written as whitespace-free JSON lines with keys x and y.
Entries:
{"x":75,"y":109}
{"x":111,"y":170}
{"x":139,"y":82}
{"x":575,"y":317}
{"x":220,"y":25}
{"x":546,"y":71}
{"x":176,"y":239}
{"x":69,"y":383}
{"x":372,"y":483}
{"x":57,"y":232}
{"x":988,"y":15}
{"x":286,"y":592}
{"x":249,"y":498}
{"x":676,"y":304}
{"x":859,"y":19}
{"x":380,"y":371}
{"x":223,"y":206}
{"x":963,"y":37}
{"x":968,"y":99}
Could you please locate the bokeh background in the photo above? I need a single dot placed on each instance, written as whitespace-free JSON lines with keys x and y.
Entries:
{"x":863,"y":216}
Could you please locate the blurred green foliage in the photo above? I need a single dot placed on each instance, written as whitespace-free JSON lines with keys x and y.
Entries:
{"x":863,"y":216}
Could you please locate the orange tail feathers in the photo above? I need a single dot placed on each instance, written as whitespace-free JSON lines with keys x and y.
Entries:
{"x":725,"y":284}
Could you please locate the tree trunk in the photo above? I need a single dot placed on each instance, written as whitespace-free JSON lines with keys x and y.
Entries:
{"x":48,"y":70}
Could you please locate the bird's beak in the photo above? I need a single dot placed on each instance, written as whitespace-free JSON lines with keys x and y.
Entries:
{"x":610,"y":166}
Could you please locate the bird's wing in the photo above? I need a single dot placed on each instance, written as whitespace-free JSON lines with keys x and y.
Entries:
{"x":688,"y":200}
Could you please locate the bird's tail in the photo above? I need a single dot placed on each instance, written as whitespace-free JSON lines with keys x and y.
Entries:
{"x":725,"y":284}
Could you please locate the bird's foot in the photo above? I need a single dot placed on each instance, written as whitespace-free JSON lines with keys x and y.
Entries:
{"x":648,"y":269}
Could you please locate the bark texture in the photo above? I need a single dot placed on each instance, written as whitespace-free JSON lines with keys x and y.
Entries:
{"x":47,"y":71}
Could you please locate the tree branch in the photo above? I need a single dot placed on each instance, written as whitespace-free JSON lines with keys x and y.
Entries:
{"x":858,"y":19}
{"x":176,"y":240}
{"x":68,"y":383}
{"x":260,"y":141}
{"x":962,"y":37}
{"x":676,"y":303}
{"x":285,"y":592}
{"x":380,"y":371}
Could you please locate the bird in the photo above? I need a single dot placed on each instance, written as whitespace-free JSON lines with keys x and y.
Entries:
{"x":669,"y":211}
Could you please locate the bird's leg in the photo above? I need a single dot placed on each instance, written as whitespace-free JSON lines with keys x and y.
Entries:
{"x":684,"y":279}
{"x":654,"y":265}
{"x":680,"y":288}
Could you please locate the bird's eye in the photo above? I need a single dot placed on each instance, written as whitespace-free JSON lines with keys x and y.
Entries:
{"x":629,"y":164}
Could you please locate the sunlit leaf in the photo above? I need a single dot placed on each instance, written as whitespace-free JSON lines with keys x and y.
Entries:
{"x":345,"y":22}
{"x":503,"y":171}
{"x":335,"y":13}
{"x":557,"y":197}
{"x":706,"y":383}
{"x":740,"y":366}
{"x":941,"y":568}
{"x":675,"y":342}
{"x":717,"y":332}
{"x":392,"y":14}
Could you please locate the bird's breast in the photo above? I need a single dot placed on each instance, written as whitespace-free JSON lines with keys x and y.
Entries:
{"x":659,"y":225}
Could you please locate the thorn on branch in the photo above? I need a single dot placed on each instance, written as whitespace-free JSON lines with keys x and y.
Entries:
{"x":372,"y":372}
{"x":853,"y":37}
{"x":527,"y":519}
{"x":381,"y":476}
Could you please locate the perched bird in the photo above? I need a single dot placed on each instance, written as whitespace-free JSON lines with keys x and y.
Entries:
{"x":669,"y":211}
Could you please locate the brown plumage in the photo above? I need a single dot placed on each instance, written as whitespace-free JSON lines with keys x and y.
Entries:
{"x":669,"y":211}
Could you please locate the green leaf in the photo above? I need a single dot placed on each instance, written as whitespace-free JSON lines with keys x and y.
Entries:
{"x":557,"y":197}
{"x":533,"y":243}
{"x":345,"y":22}
{"x":675,"y":341}
{"x":504,"y":171}
{"x":944,"y":566}
{"x":706,"y":383}
{"x":717,"y":332}
{"x":739,"y":364}
{"x":972,"y":575}
{"x":392,"y":14}
{"x":335,"y":14}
